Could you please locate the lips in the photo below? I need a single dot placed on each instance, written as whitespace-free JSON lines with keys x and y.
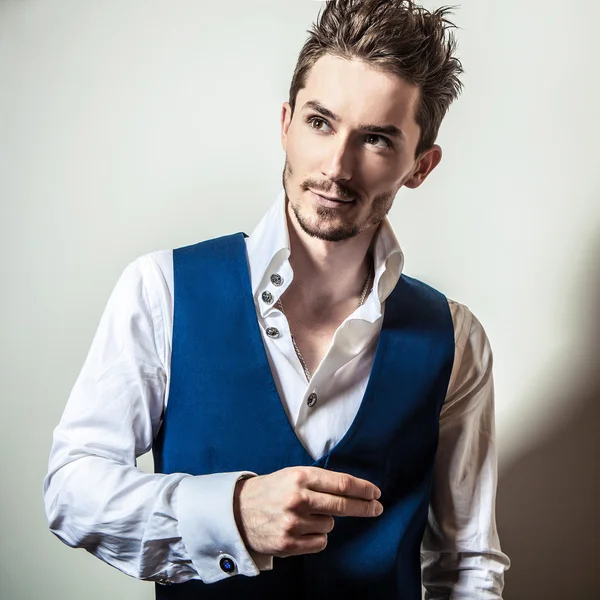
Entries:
{"x":331,"y":198}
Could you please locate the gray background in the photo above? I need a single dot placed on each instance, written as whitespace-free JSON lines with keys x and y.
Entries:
{"x":131,"y":126}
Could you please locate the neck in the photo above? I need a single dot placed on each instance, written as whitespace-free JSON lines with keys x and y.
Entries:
{"x":327,"y":273}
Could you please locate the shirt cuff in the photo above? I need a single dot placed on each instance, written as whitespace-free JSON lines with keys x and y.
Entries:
{"x":209,"y":531}
{"x":262,"y":561}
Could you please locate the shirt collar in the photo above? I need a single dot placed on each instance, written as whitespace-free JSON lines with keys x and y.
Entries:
{"x":268,"y":245}
{"x":269,"y":251}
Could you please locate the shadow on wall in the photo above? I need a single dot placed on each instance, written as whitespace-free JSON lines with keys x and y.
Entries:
{"x":548,"y":505}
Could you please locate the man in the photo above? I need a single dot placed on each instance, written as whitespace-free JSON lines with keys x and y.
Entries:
{"x":294,"y":385}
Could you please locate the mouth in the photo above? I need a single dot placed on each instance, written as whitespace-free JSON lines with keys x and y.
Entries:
{"x":330,"y":200}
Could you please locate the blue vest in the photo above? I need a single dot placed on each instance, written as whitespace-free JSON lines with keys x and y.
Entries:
{"x":224,"y":414}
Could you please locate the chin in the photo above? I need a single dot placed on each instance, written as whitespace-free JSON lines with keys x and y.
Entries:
{"x":325,"y":225}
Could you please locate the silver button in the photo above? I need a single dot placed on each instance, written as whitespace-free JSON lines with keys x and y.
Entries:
{"x":164,"y":582}
{"x":311,"y":400}
{"x":276,"y":279}
{"x":267,"y":297}
{"x":272,"y":332}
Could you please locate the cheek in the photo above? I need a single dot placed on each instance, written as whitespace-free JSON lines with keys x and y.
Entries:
{"x":380,"y":179}
{"x":391,"y":175}
{"x":384,"y":171}
{"x":304,"y":161}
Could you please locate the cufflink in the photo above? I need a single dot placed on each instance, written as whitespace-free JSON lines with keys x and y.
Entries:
{"x":227,"y":564}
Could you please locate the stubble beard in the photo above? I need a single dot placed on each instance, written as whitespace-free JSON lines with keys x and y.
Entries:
{"x":328,"y":226}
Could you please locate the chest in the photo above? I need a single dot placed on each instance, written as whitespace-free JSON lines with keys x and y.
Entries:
{"x":313,"y":332}
{"x":312,"y":345}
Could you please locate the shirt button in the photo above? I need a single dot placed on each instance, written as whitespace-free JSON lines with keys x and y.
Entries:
{"x":267,"y":297}
{"x":227,"y":565}
{"x":311,"y":400}
{"x":276,"y":279}
{"x":272,"y":332}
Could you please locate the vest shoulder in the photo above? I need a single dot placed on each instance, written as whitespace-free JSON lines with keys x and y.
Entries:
{"x":459,"y":310}
{"x":420,"y":288}
{"x":213,"y":244}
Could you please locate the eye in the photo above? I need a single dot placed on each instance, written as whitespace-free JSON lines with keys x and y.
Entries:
{"x":314,"y":120}
{"x":387,"y":143}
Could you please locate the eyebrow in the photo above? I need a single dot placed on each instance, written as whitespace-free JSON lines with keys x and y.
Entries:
{"x":390,"y":130}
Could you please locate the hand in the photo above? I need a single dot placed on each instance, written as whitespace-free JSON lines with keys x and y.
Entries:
{"x":291,"y":511}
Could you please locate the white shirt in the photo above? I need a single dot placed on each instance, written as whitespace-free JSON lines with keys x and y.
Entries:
{"x":177,"y":527}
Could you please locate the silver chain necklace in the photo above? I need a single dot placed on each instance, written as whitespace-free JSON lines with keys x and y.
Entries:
{"x":363,"y":296}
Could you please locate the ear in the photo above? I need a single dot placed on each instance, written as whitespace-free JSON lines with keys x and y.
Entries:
{"x":286,"y":119}
{"x":428,"y":161}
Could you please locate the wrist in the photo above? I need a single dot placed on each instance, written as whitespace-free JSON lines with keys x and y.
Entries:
{"x":237,"y":508}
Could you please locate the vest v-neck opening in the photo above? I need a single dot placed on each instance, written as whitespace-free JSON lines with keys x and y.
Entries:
{"x":257,"y":341}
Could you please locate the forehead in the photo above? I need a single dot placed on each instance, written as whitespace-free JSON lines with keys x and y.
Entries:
{"x":361,"y":94}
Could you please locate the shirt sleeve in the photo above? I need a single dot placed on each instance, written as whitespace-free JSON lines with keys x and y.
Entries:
{"x":460,"y":553}
{"x":166,"y":528}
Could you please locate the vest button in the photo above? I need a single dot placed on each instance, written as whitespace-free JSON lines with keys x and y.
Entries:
{"x":311,"y":400}
{"x":276,"y":279}
{"x":227,"y":565}
{"x":267,"y":297}
{"x":272,"y":332}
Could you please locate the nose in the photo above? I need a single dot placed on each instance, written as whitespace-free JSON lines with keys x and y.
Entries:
{"x":339,"y":162}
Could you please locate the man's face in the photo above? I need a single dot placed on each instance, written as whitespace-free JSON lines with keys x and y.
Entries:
{"x":352,"y":139}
